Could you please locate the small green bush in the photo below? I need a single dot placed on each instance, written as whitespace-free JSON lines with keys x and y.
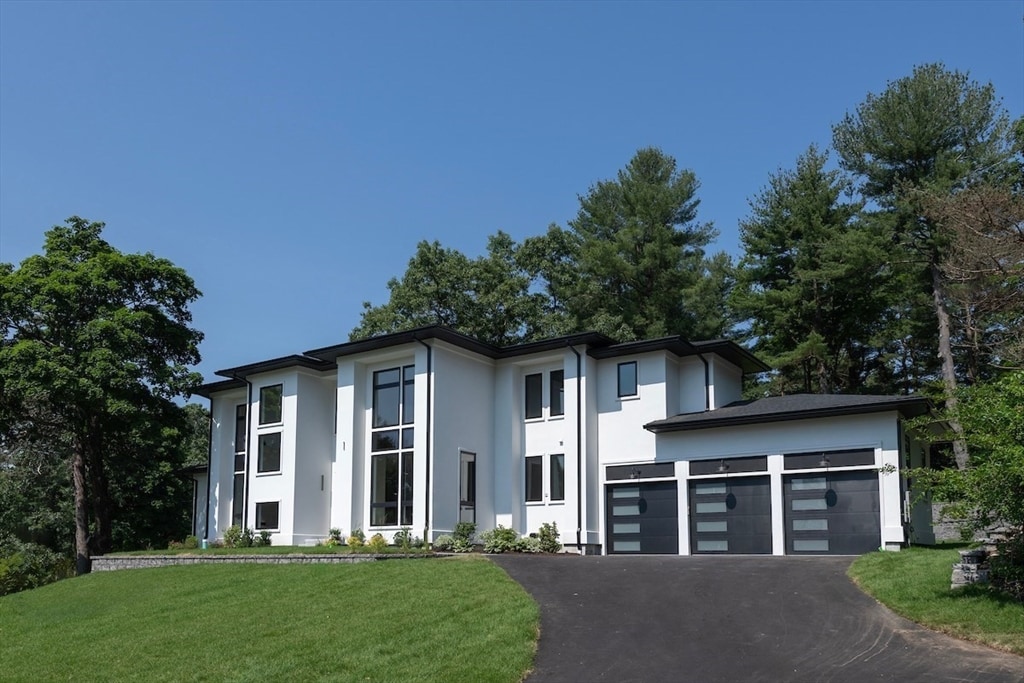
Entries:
{"x":335,"y":535}
{"x":463,"y":537}
{"x":500,"y":540}
{"x":238,"y":537}
{"x":528,"y":544}
{"x":547,"y":538}
{"x":190,"y":542}
{"x":1006,"y":569}
{"x":377,"y":543}
{"x":443,"y":543}
{"x":357,"y":539}
{"x":29,"y":565}
{"x":263,"y":540}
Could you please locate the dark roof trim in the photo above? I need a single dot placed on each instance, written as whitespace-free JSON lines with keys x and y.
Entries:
{"x":194,"y":469}
{"x":730,"y":351}
{"x":276,"y":364}
{"x":205,"y":390}
{"x":446,"y":334}
{"x":734,"y":353}
{"x":908,"y":406}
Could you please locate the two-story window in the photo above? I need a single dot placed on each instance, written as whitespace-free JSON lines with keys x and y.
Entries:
{"x":534,"y":392}
{"x":238,"y":498}
{"x":391,"y":447}
{"x":545,"y":483}
{"x":268,"y":443}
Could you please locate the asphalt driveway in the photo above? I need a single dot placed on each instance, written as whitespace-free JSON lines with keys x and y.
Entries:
{"x":673,"y":618}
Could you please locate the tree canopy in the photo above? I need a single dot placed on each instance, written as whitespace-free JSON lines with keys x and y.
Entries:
{"x":96,"y":346}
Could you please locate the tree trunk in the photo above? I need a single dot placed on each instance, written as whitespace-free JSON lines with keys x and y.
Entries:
{"x":83,"y":565}
{"x":948,"y":368}
{"x":103,"y":539}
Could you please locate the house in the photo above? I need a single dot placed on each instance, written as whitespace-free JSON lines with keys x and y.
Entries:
{"x":639,"y":447}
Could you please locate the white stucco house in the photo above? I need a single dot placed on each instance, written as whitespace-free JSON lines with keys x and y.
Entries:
{"x":641,"y":447}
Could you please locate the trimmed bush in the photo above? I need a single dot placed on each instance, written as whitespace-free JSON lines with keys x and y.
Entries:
{"x":377,"y":543}
{"x":357,"y":539}
{"x":462,"y":539}
{"x":500,"y":540}
{"x":443,"y":543}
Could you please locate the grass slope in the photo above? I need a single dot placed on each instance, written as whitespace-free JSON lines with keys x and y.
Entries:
{"x":915,"y":584}
{"x":459,"y":619}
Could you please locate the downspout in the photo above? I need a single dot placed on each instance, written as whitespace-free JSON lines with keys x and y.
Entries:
{"x":579,"y":449}
{"x":248,"y":443}
{"x":430,"y":378}
{"x":209,"y":472}
{"x":707,"y":382}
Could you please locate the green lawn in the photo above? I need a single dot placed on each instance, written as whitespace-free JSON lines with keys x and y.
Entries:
{"x":915,"y":584}
{"x":457,"y":619}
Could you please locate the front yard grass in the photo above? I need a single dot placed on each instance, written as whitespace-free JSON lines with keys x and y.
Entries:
{"x":456,"y":619}
{"x":915,"y":584}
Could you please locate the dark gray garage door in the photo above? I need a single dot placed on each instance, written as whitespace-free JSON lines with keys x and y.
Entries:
{"x":832,"y":513}
{"x":731,"y":515}
{"x":643,"y":517}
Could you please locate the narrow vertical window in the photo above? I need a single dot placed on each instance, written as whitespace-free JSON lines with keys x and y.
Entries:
{"x":534,"y":478}
{"x":557,"y":385}
{"x":627,"y":379}
{"x":240,"y":411}
{"x":534,"y":395}
{"x":557,"y":477}
{"x":270,"y":404}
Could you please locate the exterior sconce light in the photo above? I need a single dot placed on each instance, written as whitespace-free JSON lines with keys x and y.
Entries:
{"x":723,"y":467}
{"x":634,"y":473}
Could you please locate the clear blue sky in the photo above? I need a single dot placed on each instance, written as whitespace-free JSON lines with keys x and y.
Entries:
{"x":290,"y":156}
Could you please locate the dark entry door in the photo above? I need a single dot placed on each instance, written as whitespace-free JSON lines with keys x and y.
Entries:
{"x":643,"y":517}
{"x":832,"y":513}
{"x":731,"y":515}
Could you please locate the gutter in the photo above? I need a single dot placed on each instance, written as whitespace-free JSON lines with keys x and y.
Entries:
{"x":209,"y":472}
{"x":579,"y":449}
{"x":430,"y":386}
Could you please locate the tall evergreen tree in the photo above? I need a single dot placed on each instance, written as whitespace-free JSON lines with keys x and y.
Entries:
{"x":810,"y":282}
{"x":934,"y":133}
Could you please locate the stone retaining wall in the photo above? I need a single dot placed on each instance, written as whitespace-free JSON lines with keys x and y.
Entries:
{"x":108,"y":563}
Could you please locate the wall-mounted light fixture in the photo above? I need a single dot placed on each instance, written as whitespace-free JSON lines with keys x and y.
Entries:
{"x":634,"y":473}
{"x":723,"y":466}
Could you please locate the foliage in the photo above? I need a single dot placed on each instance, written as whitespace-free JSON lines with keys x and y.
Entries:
{"x":239,"y":537}
{"x":357,"y":539}
{"x":405,"y":539}
{"x":334,"y":538}
{"x":528,"y":544}
{"x":915,"y":584}
{"x":29,"y":565}
{"x":800,"y":282}
{"x":96,"y":345}
{"x":262,"y":540}
{"x":548,"y":538}
{"x":990,"y":490}
{"x":444,"y":543}
{"x":190,"y":543}
{"x":1006,"y":568}
{"x":97,"y":628}
{"x":934,"y":133}
{"x":500,"y":540}
{"x":377,"y":543}
{"x":632,"y":263}
{"x":463,"y":537}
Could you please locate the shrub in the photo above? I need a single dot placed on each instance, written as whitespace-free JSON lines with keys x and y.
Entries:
{"x":443,"y":543}
{"x":547,"y":538}
{"x":377,"y":543}
{"x":500,"y":540}
{"x":529,"y":544}
{"x":190,"y":542}
{"x":462,"y":538}
{"x":29,"y":565}
{"x":335,"y":536}
{"x":357,"y":539}
{"x":263,"y":540}
{"x":239,"y":537}
{"x":1006,"y":569}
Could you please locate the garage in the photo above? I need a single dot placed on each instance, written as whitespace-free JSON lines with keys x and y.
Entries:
{"x":731,"y":515}
{"x":643,"y":517}
{"x":832,"y":513}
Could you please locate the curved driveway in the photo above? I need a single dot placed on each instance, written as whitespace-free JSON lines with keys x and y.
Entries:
{"x":719,"y":618}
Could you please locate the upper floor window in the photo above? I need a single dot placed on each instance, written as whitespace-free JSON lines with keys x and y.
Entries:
{"x":534,"y":396}
{"x":393,"y":396}
{"x":270,"y":404}
{"x":240,"y":414}
{"x":269,"y":456}
{"x":557,"y":390}
{"x":627,"y":379}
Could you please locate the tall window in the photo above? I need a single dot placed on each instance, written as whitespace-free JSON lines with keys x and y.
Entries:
{"x":270,"y":404}
{"x":557,"y":388}
{"x":534,"y":478}
{"x":391,"y":446}
{"x":534,"y":396}
{"x":556,"y":477}
{"x":238,"y":492}
{"x":627,"y":379}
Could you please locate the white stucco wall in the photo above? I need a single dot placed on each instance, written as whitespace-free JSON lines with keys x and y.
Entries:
{"x":269,"y":487}
{"x":620,"y":420}
{"x":726,"y":382}
{"x":464,"y":386}
{"x":222,"y":458}
{"x":314,"y":450}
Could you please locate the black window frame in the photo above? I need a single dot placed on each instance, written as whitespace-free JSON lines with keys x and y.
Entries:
{"x":266,"y":402}
{"x":262,"y":511}
{"x":556,"y":495}
{"x":533,"y":491}
{"x":392,"y":436}
{"x":556,"y":392}
{"x":533,"y":396}
{"x":635,"y":380}
{"x":261,"y":454}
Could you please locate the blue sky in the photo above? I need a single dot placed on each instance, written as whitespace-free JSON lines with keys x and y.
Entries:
{"x":290,"y":156}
